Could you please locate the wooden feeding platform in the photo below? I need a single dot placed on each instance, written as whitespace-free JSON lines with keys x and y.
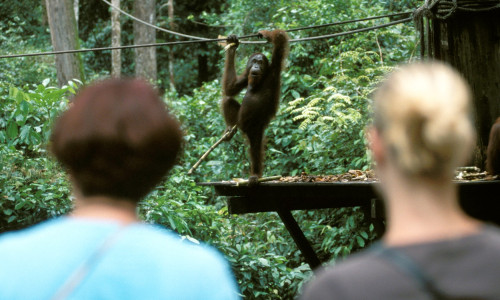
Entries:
{"x":479,"y":198}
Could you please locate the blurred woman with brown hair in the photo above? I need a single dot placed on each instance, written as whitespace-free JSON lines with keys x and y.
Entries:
{"x":117,"y":142}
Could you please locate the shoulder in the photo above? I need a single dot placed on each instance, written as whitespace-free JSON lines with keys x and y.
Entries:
{"x":161,"y":254}
{"x":482,"y":249}
{"x":476,"y":246}
{"x":33,"y":234}
{"x":157,"y":236}
{"x":163,"y":245}
{"x":344,"y":278}
{"x":147,"y":259}
{"x":444,"y":260}
{"x":491,"y":233}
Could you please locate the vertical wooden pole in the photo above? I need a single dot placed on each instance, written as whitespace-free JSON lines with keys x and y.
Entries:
{"x":145,"y":58}
{"x":64,"y":36}
{"x":116,"y":59}
{"x":470,"y":42}
{"x":170,"y":50}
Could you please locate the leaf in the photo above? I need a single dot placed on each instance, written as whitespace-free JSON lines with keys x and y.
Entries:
{"x":25,"y":132}
{"x":172,"y":222}
{"x":20,"y":96}
{"x":71,"y":89}
{"x":24,"y":107}
{"x":264,"y":262}
{"x":360,"y":241}
{"x":20,"y":119}
{"x":191,"y":239}
{"x":35,"y":138}
{"x":20,"y":205}
{"x":13,"y":92}
{"x":12,"y":130}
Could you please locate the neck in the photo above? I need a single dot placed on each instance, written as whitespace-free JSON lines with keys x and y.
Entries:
{"x":423,"y":210}
{"x":105,"y":208}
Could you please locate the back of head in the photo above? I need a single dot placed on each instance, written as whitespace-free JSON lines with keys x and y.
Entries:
{"x":423,"y":114}
{"x":117,"y":139}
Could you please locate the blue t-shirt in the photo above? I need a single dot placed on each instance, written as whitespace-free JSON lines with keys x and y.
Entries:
{"x":138,"y":261}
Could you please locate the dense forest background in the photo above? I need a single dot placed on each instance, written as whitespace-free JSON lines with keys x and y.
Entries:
{"x":319,"y":128}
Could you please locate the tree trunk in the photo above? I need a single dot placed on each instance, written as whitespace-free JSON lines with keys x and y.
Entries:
{"x":116,"y":60}
{"x":64,"y":36}
{"x":45,"y":20}
{"x":470,"y":43}
{"x":145,"y":58}
{"x":171,"y":52}
{"x":76,"y":8}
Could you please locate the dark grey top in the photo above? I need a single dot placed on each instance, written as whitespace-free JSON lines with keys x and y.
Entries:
{"x":461,"y":268}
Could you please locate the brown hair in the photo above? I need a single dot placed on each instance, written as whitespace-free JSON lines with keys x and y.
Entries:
{"x":117,"y":139}
{"x":422,"y":111}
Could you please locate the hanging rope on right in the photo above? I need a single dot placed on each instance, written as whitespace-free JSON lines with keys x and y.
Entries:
{"x":443,"y":9}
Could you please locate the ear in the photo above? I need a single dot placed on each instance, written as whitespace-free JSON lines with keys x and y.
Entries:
{"x":376,"y":145}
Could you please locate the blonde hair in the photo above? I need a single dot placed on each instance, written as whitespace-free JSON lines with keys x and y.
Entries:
{"x":422,"y":112}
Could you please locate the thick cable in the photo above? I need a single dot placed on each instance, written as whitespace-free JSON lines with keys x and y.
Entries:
{"x":255,"y":35}
{"x":110,"y":48}
{"x":153,"y":26}
{"x":204,"y":41}
{"x":174,"y":32}
{"x":444,"y":9}
{"x":325,"y":25}
{"x":328,"y":36}
{"x":350,"y":21}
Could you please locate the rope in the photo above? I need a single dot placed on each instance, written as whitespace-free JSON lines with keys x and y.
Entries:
{"x":351,"y":21}
{"x":340,"y":33}
{"x":204,"y":41}
{"x":352,"y":31}
{"x":253,"y":35}
{"x":151,"y":25}
{"x":110,"y":48}
{"x":443,"y":9}
{"x":174,"y":32}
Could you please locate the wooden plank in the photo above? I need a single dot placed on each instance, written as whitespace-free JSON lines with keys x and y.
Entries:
{"x":480,"y":199}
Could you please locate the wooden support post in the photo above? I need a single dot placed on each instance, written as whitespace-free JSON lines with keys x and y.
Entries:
{"x":299,"y":238}
{"x":64,"y":35}
{"x":469,"y":41}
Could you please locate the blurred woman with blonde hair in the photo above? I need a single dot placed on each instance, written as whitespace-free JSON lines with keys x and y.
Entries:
{"x":422,"y":130}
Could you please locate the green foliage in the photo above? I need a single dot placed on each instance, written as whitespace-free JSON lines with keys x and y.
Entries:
{"x":337,"y":232}
{"x":342,"y":105}
{"x":20,"y":36}
{"x":27,"y":115}
{"x":32,"y":190}
{"x":31,"y":184}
